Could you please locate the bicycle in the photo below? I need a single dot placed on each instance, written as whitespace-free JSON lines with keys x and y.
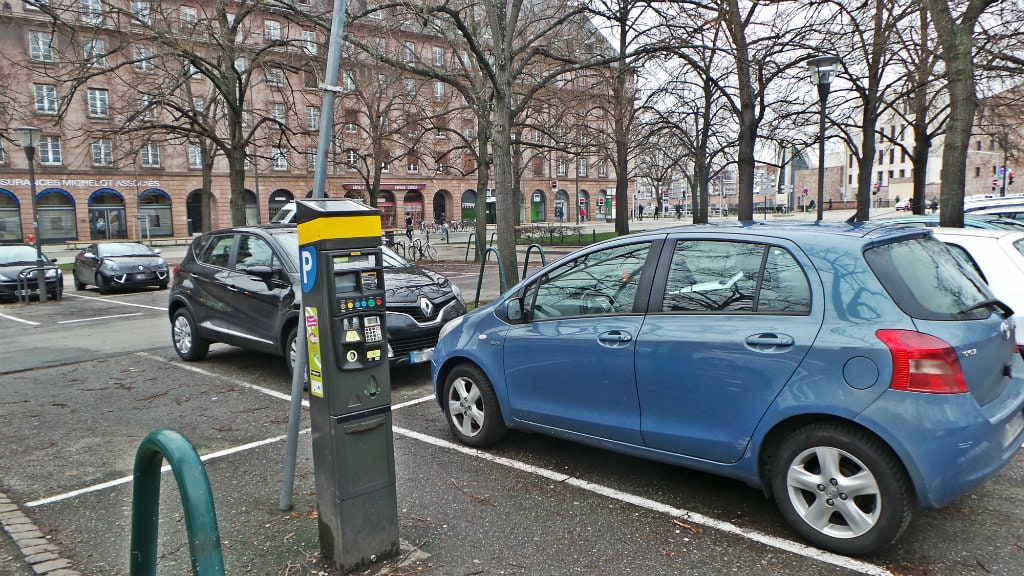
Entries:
{"x":396,"y":246}
{"x":420,"y":248}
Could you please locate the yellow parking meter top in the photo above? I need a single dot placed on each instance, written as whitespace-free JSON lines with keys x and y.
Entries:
{"x":335,"y":218}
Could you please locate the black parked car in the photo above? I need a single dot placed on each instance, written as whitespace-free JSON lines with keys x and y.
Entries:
{"x":18,"y":259}
{"x":238,"y":286}
{"x":110,"y":265}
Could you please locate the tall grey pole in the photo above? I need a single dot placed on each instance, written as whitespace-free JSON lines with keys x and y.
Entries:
{"x":30,"y":154}
{"x":301,"y":365}
{"x":823,"y":89}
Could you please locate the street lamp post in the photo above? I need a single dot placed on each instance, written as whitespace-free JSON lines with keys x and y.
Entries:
{"x":28,"y":137}
{"x":823,"y":69}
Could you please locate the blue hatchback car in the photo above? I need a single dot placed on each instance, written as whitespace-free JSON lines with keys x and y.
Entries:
{"x":853,"y":372}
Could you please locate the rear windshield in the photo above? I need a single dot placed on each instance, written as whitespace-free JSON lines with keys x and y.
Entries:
{"x":929,"y":282}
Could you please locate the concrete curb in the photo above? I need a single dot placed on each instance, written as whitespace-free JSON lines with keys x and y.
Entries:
{"x":39,"y":553}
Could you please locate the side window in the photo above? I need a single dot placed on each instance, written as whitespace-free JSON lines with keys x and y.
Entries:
{"x":735,"y":277}
{"x":219,"y":252}
{"x":966,"y":257}
{"x":253,"y":251}
{"x":602,"y":282}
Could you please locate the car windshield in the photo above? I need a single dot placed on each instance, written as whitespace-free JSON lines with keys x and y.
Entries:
{"x":123,"y":249}
{"x":290,"y":240}
{"x":284,"y":215}
{"x":15,"y":255}
{"x":928,"y":281}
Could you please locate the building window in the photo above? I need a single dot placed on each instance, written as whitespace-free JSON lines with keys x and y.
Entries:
{"x":274,"y":77}
{"x":92,"y":12}
{"x":602,"y":169}
{"x":35,"y":5}
{"x":581,"y":167}
{"x":195,"y":156}
{"x":277,"y":112}
{"x":438,"y":56}
{"x":140,"y":10}
{"x":438,"y":90}
{"x":49,"y":151}
{"x":410,"y":51}
{"x":146,"y":111}
{"x":99,"y":103}
{"x":412,"y":164}
{"x":95,"y":52}
{"x":310,"y":159}
{"x":271,"y":31}
{"x":380,"y":44}
{"x":349,"y":81}
{"x":150,"y":155}
{"x":188,"y":16}
{"x":40,"y":47}
{"x":312,"y":117}
{"x":410,"y":87}
{"x":385,"y":167}
{"x":977,"y":172}
{"x":45,"y":98}
{"x":903,"y":173}
{"x":309,"y":42}
{"x":188,"y":69}
{"x":280,"y":158}
{"x":143,"y":58}
{"x":351,"y":118}
{"x":560,"y":167}
{"x":102,"y":152}
{"x":351,"y":158}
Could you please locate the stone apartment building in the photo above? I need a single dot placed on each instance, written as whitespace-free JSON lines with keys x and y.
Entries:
{"x":97,"y":180}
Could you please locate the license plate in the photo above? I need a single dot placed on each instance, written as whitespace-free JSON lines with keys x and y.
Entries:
{"x":25,"y":292}
{"x":421,"y":356}
{"x":1013,"y":428}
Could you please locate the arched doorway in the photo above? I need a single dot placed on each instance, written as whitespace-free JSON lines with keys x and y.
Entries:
{"x":538,"y":208}
{"x":278,"y":198}
{"x":107,"y":219}
{"x":412,"y":202}
{"x":155,"y":204}
{"x":563,"y":208}
{"x":194,"y":211}
{"x":252,"y":207}
{"x":57,"y":221}
{"x":441,"y":212}
{"x":10,"y":217}
{"x":468,"y":205}
{"x":386,"y":205}
{"x":586,"y":212}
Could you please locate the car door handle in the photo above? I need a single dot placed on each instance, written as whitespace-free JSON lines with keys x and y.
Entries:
{"x":768,"y":341}
{"x":615,"y":337}
{"x":231,"y":287}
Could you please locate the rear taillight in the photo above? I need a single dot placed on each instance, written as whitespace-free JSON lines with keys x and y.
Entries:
{"x":176,"y":267}
{"x":923,"y":363}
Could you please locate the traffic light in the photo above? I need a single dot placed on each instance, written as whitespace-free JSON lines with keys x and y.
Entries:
{"x":1011,"y":177}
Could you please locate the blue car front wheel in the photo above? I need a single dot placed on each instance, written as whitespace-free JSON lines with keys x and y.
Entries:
{"x":471,"y":407}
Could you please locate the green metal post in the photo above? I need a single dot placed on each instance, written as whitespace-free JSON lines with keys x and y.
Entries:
{"x":196,"y":499}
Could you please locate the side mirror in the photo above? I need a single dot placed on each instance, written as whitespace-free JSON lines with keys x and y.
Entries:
{"x":263,"y":273}
{"x":89,"y":255}
{"x":514,"y":310}
{"x":156,"y":251}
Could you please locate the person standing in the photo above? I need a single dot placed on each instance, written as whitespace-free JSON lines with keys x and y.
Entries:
{"x":408,"y":226}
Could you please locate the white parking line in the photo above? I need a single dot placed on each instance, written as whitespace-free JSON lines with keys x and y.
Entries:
{"x":22,"y":320}
{"x":99,"y":318}
{"x":70,"y":295}
{"x":594,"y":488}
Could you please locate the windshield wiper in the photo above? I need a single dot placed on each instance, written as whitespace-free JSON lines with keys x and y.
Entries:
{"x":990,"y":302}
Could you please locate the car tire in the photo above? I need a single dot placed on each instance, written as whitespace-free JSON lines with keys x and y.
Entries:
{"x":101,"y":284}
{"x":813,"y":497}
{"x":79,"y":285}
{"x":187,"y":342}
{"x":471,"y":407}
{"x":290,"y":345}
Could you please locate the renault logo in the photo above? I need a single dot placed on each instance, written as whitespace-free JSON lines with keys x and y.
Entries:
{"x":140,"y":267}
{"x":426,"y":306}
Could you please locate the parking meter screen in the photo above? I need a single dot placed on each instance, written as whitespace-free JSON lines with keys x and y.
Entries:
{"x":345,"y":282}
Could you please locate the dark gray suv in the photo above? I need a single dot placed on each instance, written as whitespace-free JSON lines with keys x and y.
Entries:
{"x":238,"y":286}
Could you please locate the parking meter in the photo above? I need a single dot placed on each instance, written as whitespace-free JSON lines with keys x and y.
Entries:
{"x":342,"y":276}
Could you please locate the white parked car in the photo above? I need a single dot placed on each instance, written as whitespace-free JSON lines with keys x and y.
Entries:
{"x":999,"y":256}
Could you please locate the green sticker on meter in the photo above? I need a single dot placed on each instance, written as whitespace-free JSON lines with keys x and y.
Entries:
{"x":316,"y":377}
